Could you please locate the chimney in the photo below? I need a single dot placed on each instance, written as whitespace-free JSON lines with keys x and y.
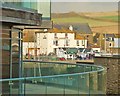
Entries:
{"x":71,"y":27}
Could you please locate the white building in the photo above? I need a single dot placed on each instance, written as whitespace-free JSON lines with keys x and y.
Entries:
{"x":117,"y":42}
{"x":27,"y":48}
{"x":61,"y":37}
{"x":53,"y":42}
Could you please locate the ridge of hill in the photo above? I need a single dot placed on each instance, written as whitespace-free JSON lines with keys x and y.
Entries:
{"x":98,"y":21}
{"x":86,"y":14}
{"x":64,"y":15}
{"x":99,"y":14}
{"x":110,"y":18}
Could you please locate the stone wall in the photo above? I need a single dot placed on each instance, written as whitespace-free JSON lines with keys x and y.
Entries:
{"x":113,"y":74}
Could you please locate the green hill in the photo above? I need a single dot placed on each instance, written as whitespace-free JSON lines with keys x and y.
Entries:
{"x":80,"y":19}
{"x":111,"y":18}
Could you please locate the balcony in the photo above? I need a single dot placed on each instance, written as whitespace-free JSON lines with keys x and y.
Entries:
{"x":57,"y":78}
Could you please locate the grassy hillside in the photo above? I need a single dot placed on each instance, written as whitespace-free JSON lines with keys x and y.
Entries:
{"x":91,"y":22}
{"x":93,"y":19}
{"x":99,"y":22}
{"x":112,"y":18}
{"x":99,"y":14}
{"x":64,"y":15}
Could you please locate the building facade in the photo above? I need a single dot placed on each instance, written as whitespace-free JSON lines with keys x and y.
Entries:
{"x":61,"y":36}
{"x":52,"y":42}
{"x":13,"y":17}
{"x":104,"y":41}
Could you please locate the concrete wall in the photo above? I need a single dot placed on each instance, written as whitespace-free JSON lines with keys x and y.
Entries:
{"x":113,"y":74}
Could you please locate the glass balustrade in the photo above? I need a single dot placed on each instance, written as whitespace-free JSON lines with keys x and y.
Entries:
{"x":57,"y":78}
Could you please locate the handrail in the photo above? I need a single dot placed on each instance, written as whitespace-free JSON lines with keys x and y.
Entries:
{"x":59,"y":63}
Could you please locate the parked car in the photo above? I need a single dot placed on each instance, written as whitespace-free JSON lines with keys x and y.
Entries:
{"x":85,"y":53}
{"x":97,"y":54}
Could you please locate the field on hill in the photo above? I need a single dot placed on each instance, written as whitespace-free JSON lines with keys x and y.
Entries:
{"x":107,"y":16}
{"x":99,"y":14}
{"x":98,"y":21}
{"x":91,"y":22}
{"x":112,"y":18}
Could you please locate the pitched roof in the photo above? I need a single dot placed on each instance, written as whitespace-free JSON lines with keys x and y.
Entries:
{"x":79,"y":37}
{"x":117,"y":35}
{"x":82,"y":28}
{"x":95,"y":46}
{"x":109,"y":35}
{"x":95,"y":37}
{"x":56,"y":30}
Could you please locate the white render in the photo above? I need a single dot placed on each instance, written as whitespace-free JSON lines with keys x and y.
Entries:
{"x":96,"y":49}
{"x":27,"y":45}
{"x":117,"y":42}
{"x":46,"y":45}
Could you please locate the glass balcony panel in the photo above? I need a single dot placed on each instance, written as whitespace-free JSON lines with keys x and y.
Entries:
{"x":83,"y":83}
{"x":14,"y":87}
{"x":81,"y":68}
{"x":55,"y":85}
{"x":93,"y":83}
{"x":5,"y":87}
{"x":17,"y":87}
{"x":71,"y":84}
{"x":35,"y":86}
{"x":88,"y":68}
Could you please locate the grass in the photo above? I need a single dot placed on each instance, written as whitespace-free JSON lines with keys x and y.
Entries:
{"x":112,"y":18}
{"x":91,"y":22}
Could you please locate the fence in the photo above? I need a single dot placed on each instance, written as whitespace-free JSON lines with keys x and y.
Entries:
{"x":57,"y":78}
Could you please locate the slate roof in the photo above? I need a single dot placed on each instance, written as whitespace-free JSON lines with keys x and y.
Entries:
{"x":108,"y":36}
{"x":82,"y":28}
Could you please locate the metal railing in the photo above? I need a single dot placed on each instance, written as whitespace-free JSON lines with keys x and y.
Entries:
{"x":57,"y":78}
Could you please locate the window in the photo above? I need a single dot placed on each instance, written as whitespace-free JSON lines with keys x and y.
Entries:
{"x":77,"y":42}
{"x":55,"y":42}
{"x":82,"y":42}
{"x":44,"y":37}
{"x":110,"y":39}
{"x":66,"y":35}
{"x":55,"y":35}
{"x":67,"y":43}
{"x":110,"y":44}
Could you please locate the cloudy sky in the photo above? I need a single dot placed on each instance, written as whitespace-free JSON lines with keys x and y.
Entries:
{"x":79,"y":6}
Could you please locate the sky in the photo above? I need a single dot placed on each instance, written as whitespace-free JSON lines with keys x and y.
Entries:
{"x":63,"y":7}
